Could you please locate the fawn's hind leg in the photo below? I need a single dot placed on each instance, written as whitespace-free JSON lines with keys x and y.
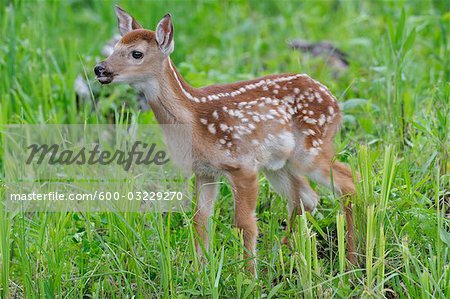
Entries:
{"x":297,"y":191}
{"x":338,"y":176}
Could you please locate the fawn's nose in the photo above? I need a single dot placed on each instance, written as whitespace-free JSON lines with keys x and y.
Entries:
{"x":100,"y":69}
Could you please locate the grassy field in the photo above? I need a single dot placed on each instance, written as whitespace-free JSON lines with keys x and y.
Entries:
{"x":396,"y":100}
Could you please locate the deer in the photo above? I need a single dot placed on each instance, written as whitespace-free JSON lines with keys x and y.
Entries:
{"x":282,"y":125}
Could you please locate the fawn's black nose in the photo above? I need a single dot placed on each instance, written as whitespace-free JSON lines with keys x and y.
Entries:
{"x":99,"y":70}
{"x":104,"y":76}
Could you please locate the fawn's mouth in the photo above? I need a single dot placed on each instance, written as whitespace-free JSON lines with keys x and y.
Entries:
{"x":105,"y":79}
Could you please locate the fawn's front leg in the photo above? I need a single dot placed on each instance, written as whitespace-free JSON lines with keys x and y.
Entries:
{"x":206,"y":193}
{"x":245,"y":190}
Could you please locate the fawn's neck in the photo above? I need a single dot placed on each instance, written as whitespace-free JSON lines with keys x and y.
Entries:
{"x":166,"y":95}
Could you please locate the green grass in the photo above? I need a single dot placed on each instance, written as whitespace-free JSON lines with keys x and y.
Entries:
{"x":396,"y":100}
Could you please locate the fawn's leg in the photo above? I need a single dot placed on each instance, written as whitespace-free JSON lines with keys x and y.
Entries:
{"x":245,"y":190}
{"x":297,"y":191}
{"x":206,"y":193}
{"x":344,"y":185}
{"x":344,"y":180}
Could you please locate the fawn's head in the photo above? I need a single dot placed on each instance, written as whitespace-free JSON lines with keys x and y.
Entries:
{"x":140,"y":54}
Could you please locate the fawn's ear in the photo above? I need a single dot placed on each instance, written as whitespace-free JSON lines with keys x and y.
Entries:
{"x":125,"y":21}
{"x":164,"y":34}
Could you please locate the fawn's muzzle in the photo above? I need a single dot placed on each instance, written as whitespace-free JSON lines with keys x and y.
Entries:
{"x":103,"y":75}
{"x":99,"y":69}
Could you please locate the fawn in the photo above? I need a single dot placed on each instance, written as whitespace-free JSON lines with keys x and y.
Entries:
{"x":281,"y":124}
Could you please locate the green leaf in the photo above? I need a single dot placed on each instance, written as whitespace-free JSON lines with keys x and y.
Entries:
{"x":400,"y":29}
{"x":250,"y":288}
{"x":274,"y":290}
{"x":357,"y":103}
{"x":408,"y":105}
{"x":409,"y":42}
{"x":445,"y":236}
{"x":353,"y":103}
{"x":349,"y":119}
{"x":316,"y":225}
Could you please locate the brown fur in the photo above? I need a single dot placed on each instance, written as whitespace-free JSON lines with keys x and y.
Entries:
{"x":139,"y":35}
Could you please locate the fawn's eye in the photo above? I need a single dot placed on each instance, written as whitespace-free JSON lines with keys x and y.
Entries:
{"x":137,"y":54}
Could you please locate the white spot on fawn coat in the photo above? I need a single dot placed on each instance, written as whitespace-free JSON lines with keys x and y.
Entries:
{"x":212,"y":128}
